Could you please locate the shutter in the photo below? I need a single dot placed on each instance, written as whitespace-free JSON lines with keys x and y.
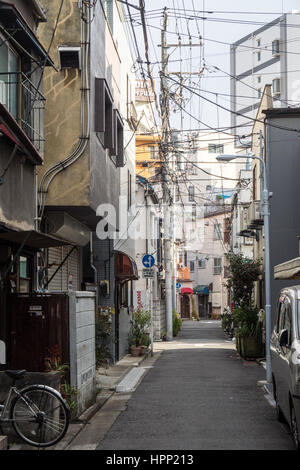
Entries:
{"x":71,"y":266}
{"x":55,"y":257}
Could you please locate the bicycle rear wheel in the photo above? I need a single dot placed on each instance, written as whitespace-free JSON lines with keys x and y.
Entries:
{"x":40,"y":416}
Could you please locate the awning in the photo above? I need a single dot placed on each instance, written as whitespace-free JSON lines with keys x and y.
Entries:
{"x":11,"y":129}
{"x":201,"y":290}
{"x":126,"y":268}
{"x":288,"y":270}
{"x":23,"y":37}
{"x":33,"y":239}
{"x":186,"y":290}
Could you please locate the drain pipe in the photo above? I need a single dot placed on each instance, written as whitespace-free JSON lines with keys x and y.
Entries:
{"x":94,"y":269}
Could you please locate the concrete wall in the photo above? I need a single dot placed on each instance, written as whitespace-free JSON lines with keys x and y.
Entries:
{"x":159,"y":318}
{"x":82,"y":347}
{"x":283,"y":170}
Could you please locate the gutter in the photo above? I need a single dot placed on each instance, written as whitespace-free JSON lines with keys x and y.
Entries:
{"x":40,"y":12}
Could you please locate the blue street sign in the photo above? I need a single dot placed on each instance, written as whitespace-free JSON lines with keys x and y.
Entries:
{"x":148,"y":261}
{"x":178,"y":285}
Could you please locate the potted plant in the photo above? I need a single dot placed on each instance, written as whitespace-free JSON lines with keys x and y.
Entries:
{"x":249,"y":344}
{"x":244,"y":272}
{"x":139,"y":338}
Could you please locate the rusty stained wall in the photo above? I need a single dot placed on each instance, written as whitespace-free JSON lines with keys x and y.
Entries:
{"x":62,"y":112}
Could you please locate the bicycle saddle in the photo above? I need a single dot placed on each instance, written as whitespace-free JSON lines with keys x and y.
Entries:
{"x":15,"y":374}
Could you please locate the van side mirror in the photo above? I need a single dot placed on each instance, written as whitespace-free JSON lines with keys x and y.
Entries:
{"x":284,"y":338}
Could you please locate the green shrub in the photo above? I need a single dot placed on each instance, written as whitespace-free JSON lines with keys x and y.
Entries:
{"x":177,"y":322}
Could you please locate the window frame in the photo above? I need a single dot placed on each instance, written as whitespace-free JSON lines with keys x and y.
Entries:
{"x":104,"y":114}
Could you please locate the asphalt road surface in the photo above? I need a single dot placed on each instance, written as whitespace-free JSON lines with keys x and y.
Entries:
{"x":198,"y":395}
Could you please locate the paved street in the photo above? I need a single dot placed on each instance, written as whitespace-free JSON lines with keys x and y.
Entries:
{"x":198,"y":395}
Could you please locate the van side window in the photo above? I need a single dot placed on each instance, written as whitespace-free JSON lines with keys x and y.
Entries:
{"x":280,"y":317}
{"x":288,"y":322}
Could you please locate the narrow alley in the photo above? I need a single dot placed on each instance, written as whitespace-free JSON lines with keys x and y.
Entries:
{"x":199,"y":394}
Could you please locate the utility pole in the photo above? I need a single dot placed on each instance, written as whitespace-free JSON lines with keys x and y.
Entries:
{"x":164,"y":103}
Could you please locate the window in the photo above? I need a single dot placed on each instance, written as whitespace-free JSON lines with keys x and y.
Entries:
{"x":258,"y":56}
{"x":103,"y":113}
{"x":217,"y":265}
{"x":191,"y":193}
{"x":217,"y":231}
{"x":152,"y":151}
{"x":259,"y":79}
{"x":9,"y":80}
{"x":108,"y":6}
{"x":208,"y":187}
{"x":192,"y":266}
{"x":202,"y":263}
{"x":194,"y":213}
{"x":276,"y":86}
{"x":258,"y":42}
{"x":259,"y":94}
{"x":215,"y":148}
{"x":118,"y":139}
{"x":275,"y":47}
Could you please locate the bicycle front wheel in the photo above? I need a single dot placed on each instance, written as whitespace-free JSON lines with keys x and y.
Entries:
{"x":40,"y":416}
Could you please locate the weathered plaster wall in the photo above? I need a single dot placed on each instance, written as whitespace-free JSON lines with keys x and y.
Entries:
{"x":62,"y":113}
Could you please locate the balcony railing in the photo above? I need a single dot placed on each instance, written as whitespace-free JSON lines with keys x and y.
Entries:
{"x":25,"y":103}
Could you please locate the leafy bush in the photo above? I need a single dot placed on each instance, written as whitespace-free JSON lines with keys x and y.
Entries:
{"x":103,"y":337}
{"x":244,"y":272}
{"x":140,"y":328}
{"x":247,"y":320}
{"x":177,"y":322}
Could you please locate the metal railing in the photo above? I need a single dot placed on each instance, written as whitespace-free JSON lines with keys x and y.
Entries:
{"x":25,"y":103}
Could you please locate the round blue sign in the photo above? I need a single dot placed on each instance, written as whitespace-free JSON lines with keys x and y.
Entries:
{"x":148,"y":261}
{"x":178,"y":285}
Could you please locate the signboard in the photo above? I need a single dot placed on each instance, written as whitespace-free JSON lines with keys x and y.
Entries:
{"x":148,"y":273}
{"x":178,"y":285}
{"x":143,"y":90}
{"x":148,"y":261}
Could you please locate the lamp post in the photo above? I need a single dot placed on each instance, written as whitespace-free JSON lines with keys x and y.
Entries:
{"x":266,"y":215}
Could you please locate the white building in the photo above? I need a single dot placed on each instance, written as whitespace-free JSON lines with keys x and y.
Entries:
{"x":269,"y":55}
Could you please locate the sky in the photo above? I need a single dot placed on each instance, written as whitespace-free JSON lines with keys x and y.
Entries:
{"x":213,"y":53}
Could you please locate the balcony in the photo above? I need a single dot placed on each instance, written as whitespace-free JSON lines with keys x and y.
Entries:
{"x":25,"y":103}
{"x":255,"y":218}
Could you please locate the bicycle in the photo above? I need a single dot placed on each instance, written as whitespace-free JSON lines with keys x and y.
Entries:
{"x":38,"y":413}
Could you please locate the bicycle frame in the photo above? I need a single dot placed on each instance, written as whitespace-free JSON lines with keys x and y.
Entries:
{"x":4,"y":408}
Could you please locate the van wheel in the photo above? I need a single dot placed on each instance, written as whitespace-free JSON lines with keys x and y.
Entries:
{"x":279,"y":414}
{"x":294,"y":427}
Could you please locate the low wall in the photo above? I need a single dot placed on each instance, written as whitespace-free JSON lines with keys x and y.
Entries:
{"x":82,"y":348}
{"x":159,"y":319}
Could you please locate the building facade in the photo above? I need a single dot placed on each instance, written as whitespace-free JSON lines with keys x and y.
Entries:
{"x":262,"y":58}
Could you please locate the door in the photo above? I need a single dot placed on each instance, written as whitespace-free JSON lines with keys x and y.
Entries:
{"x":202,"y":306}
{"x":275,"y":348}
{"x":285,"y":358}
{"x":185,"y":306}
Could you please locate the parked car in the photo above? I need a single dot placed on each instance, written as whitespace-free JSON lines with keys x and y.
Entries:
{"x":285,"y":357}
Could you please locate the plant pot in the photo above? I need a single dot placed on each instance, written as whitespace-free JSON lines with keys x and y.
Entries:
{"x":135,"y":351}
{"x":251,"y":347}
{"x":143,"y":350}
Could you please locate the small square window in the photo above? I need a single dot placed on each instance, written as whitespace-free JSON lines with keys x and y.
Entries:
{"x":259,"y":79}
{"x":69,"y":57}
{"x":259,"y":56}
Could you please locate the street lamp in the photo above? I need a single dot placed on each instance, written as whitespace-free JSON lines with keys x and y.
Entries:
{"x":266,"y":214}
